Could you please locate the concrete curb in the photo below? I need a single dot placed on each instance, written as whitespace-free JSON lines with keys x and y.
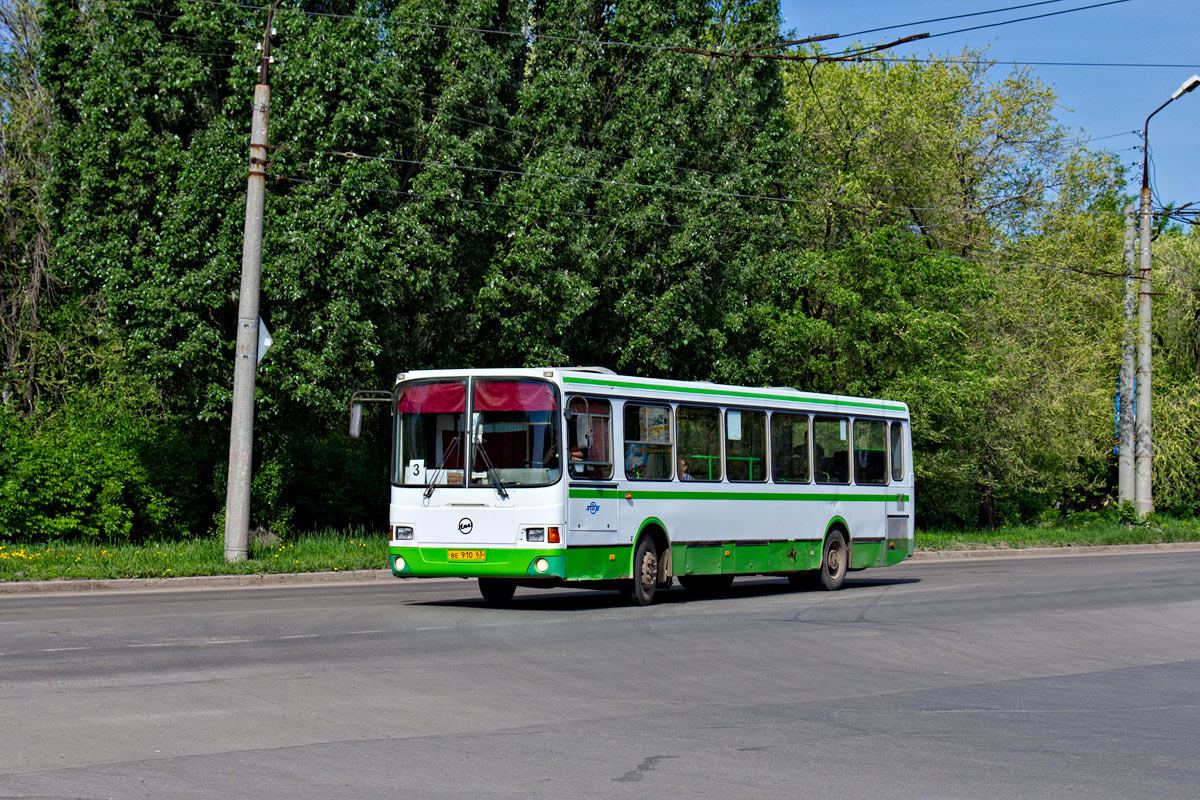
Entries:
{"x":367,"y":575}
{"x":1042,"y":552}
{"x":195,"y":582}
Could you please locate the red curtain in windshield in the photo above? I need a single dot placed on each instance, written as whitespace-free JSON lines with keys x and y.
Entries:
{"x":432,"y":398}
{"x":513,"y":396}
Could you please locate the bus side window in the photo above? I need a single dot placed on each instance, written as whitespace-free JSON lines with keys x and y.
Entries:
{"x":831,"y":449}
{"x":746,"y":445}
{"x":789,"y":448}
{"x":648,"y":443}
{"x":897,"y":451}
{"x":589,"y":438}
{"x":870,"y":452}
{"x":698,"y":434}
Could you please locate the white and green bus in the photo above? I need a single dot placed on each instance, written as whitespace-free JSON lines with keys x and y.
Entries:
{"x":581,"y":477}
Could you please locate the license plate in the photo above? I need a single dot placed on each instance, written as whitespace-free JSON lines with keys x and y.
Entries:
{"x":466,"y":555}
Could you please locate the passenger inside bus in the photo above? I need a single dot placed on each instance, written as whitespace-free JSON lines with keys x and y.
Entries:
{"x":684,"y":475}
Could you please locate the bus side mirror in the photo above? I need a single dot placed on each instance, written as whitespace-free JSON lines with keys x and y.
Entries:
{"x":356,"y":410}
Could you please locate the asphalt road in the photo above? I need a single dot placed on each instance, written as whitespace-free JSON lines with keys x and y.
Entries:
{"x":1005,"y":678}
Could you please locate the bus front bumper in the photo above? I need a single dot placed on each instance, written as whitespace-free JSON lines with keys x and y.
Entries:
{"x":431,"y":562}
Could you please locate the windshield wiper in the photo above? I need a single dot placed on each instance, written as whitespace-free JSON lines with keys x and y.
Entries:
{"x":492,"y":473}
{"x":441,"y":466}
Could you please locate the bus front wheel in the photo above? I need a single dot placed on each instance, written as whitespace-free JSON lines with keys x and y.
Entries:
{"x":645,"y":573}
{"x":497,"y":591}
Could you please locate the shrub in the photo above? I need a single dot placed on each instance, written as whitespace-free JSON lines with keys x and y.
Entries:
{"x":75,"y":475}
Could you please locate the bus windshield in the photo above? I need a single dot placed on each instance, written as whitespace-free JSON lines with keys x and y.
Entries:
{"x":514,"y":433}
{"x":429,"y":443}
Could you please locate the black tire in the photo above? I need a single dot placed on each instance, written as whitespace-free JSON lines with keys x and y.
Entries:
{"x":497,"y":591}
{"x":645,"y":572}
{"x":706,"y":585}
{"x":835,"y":560}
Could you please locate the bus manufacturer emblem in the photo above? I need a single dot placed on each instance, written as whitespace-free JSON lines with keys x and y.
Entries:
{"x":592,"y":508}
{"x":465,"y":525}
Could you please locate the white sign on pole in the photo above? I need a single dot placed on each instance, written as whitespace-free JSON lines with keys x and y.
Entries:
{"x":264,"y":339}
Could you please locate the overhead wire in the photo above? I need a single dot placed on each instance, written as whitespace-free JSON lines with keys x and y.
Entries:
{"x":637,"y":185}
{"x":997,"y":262}
{"x":948,"y":18}
{"x":1014,"y":21}
{"x":671,"y":48}
{"x":436,"y":26}
{"x":741,"y":157}
{"x":871,"y":208}
{"x":952,"y":60}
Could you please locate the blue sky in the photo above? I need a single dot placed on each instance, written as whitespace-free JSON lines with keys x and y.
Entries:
{"x":1107,"y":102}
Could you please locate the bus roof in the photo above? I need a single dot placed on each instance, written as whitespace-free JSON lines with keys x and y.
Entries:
{"x":598,"y":380}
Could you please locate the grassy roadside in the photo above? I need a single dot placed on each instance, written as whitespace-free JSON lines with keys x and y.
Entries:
{"x":334,"y":551}
{"x":1089,"y":533}
{"x":330,"y":551}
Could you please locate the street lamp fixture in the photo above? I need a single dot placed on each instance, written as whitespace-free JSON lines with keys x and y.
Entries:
{"x":1188,"y":85}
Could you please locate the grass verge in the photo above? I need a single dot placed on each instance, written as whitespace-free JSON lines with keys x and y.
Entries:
{"x":333,"y":551}
{"x":1090,"y":533}
{"x":330,"y":551}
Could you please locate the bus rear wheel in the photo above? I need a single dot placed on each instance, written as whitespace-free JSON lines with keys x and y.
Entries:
{"x":835,"y":560}
{"x":497,"y":591}
{"x":645,"y":573}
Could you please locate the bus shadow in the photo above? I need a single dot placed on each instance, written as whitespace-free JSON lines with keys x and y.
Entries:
{"x":569,"y":599}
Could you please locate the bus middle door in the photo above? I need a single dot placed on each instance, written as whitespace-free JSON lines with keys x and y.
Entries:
{"x":593,"y":507}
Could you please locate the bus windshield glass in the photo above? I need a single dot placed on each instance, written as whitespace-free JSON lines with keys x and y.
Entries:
{"x":430,"y":445}
{"x":514,"y":433}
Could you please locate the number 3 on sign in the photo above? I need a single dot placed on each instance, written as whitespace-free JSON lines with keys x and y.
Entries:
{"x":415,"y":474}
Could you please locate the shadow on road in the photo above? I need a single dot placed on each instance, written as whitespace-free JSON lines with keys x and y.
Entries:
{"x":571,"y":599}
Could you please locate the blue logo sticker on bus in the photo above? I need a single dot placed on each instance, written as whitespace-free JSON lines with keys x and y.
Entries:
{"x":593,"y":508}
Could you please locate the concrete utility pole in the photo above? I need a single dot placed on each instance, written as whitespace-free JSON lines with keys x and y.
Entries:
{"x":241,"y":427}
{"x":1143,"y":448}
{"x":1125,"y":487}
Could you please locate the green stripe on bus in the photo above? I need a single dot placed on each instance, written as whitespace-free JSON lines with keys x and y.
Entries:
{"x":661,"y":494}
{"x":878,"y":405}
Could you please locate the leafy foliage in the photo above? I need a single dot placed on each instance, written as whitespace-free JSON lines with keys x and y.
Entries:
{"x":80,"y":476}
{"x":486,"y":183}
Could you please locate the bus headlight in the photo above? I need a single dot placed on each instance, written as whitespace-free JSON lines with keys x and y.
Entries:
{"x":399,"y":564}
{"x":402,"y":532}
{"x":535,"y":534}
{"x":541,"y":565}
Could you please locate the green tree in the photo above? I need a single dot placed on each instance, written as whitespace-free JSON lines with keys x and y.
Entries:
{"x":25,"y":277}
{"x":1176,"y":374}
{"x":1012,"y":408}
